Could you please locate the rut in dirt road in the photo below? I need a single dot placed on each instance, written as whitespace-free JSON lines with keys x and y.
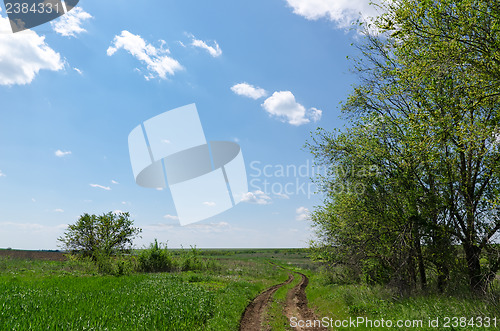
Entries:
{"x":254,"y":313}
{"x":296,"y":305}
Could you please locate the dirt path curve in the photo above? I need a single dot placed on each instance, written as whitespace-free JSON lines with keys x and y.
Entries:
{"x":254,"y":313}
{"x":296,"y":305}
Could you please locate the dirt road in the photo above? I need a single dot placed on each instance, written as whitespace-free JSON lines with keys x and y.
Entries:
{"x":296,"y":305}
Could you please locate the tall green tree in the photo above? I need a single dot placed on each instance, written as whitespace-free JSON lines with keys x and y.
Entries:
{"x":451,"y":52}
{"x":426,"y":113}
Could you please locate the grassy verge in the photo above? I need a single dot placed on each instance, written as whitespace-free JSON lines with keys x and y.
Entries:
{"x":421,"y":312}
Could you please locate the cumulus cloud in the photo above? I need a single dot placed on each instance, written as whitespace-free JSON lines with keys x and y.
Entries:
{"x":171,"y":217}
{"x":2,"y":174}
{"x":23,"y":55}
{"x":302,"y":214}
{"x":214,"y":50}
{"x":114,"y":182}
{"x":209,"y":203}
{"x":107,"y":188}
{"x":59,"y":210}
{"x":283,"y":106}
{"x":257,"y":197}
{"x":314,"y":114}
{"x":343,"y":12}
{"x":249,"y":91}
{"x":70,"y":25}
{"x":158,"y":62}
{"x":60,"y":153}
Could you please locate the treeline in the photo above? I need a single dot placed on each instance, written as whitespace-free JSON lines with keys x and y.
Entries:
{"x":412,"y":190}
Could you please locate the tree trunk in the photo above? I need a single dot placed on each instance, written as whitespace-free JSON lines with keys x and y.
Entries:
{"x":472,"y":255}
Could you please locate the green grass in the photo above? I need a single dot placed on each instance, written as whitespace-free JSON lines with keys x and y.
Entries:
{"x":136,"y":302}
{"x":342,"y":302}
{"x":72,"y":295}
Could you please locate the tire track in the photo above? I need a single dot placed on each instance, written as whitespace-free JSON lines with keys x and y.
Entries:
{"x":253,"y":316}
{"x":295,"y":306}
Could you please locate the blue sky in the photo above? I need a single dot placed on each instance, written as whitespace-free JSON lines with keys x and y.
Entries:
{"x":262,"y":73}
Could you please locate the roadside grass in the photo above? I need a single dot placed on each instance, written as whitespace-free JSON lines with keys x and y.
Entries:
{"x":344,"y":302}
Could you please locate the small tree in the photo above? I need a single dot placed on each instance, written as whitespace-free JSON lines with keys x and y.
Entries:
{"x":94,"y":235}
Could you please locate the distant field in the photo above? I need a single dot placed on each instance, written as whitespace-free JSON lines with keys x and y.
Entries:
{"x":36,"y":255}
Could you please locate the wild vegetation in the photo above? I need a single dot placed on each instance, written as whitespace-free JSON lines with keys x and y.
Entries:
{"x":33,"y":292}
{"x":412,"y":190}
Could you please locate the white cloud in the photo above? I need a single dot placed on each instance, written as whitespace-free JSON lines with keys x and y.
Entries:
{"x":302,"y":214}
{"x":60,"y":153}
{"x":282,"y":196}
{"x":107,"y":188}
{"x":59,"y":210}
{"x":23,"y":55}
{"x":249,"y":91}
{"x":118,"y":211}
{"x":157,"y":60}
{"x":209,"y":203}
{"x":114,"y":182}
{"x":343,"y":12}
{"x":283,"y":106}
{"x":314,"y":114}
{"x":258,"y":197}
{"x":70,"y":25}
{"x":78,"y":71}
{"x":214,"y":50}
{"x":2,"y":174}
{"x":171,"y":217}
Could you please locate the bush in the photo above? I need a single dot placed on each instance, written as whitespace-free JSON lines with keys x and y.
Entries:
{"x":191,"y":260}
{"x":115,"y":265}
{"x":156,"y":258}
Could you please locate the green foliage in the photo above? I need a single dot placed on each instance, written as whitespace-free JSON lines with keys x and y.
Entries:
{"x":100,"y":236}
{"x":191,"y":260}
{"x":156,"y":258}
{"x":425,"y":116}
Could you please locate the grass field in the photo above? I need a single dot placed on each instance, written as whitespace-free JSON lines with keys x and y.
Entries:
{"x":74,"y":295}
